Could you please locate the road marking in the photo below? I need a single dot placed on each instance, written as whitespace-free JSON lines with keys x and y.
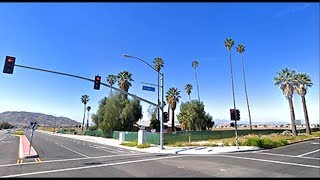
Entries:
{"x":271,"y":161}
{"x":3,"y":138}
{"x":315,"y":143}
{"x":105,"y":150}
{"x":285,"y":155}
{"x":88,"y":167}
{"x":74,"y":151}
{"x":76,"y":159}
{"x":308,"y":153}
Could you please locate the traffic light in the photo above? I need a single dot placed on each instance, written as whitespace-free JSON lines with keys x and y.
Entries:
{"x":238,"y":114}
{"x":232,"y":114}
{"x":97,"y":80}
{"x":166,"y":117}
{"x":9,"y":64}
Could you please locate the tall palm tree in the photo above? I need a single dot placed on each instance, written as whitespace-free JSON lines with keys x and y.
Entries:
{"x":301,"y":82}
{"x":285,"y":79}
{"x":88,"y":109}
{"x":124,"y":78}
{"x":228,"y":43}
{"x":84,"y":100}
{"x":167,"y":100}
{"x":195,"y":65}
{"x":158,"y":64}
{"x":188,"y":89}
{"x":241,"y":49}
{"x":173,"y":97}
{"x":111,"y":79}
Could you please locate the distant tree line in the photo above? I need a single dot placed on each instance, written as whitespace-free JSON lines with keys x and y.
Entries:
{"x":5,"y":125}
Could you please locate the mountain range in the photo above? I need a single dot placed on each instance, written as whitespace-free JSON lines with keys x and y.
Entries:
{"x":22,"y":118}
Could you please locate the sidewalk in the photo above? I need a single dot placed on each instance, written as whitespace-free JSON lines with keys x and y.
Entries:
{"x":156,"y":148}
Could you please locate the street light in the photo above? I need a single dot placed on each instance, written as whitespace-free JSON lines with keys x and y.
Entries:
{"x":162,"y":103}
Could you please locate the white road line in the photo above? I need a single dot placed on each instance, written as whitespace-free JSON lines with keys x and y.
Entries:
{"x":271,"y":161}
{"x":104,"y":150}
{"x":308,"y":153}
{"x":287,"y":155}
{"x":3,"y":138}
{"x":73,"y":159}
{"x":88,"y":167}
{"x":74,"y":151}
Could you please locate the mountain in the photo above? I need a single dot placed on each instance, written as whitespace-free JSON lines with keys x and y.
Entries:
{"x":21,"y":118}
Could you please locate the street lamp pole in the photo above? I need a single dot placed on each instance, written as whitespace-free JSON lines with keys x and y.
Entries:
{"x":162,"y":86}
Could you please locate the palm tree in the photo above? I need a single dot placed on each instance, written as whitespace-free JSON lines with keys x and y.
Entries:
{"x":88,"y":109}
{"x":111,"y":79}
{"x":173,"y":96}
{"x":301,"y":82}
{"x":285,"y":79}
{"x":84,"y":100}
{"x":158,"y":64}
{"x":188,"y":89}
{"x":241,"y":49}
{"x":124,"y":79}
{"x":195,"y":65}
{"x":228,"y":43}
{"x":167,"y":99}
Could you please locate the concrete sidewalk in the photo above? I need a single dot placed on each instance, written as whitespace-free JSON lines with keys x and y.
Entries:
{"x":156,"y":148}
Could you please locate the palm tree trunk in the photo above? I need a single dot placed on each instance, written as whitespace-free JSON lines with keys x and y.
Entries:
{"x":88,"y":120}
{"x":234,"y":100}
{"x":245,"y":89}
{"x":172,"y":126}
{"x":189,"y":98}
{"x":84,"y":116}
{"x":306,"y":117}
{"x":158,"y":96}
{"x":195,"y":72}
{"x":293,"y":123}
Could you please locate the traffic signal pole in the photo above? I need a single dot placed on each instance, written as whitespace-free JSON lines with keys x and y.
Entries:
{"x":83,"y":78}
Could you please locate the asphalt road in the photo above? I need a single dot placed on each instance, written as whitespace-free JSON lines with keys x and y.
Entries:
{"x":64,"y":157}
{"x":9,"y":148}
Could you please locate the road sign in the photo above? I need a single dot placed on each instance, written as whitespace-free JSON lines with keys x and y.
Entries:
{"x":33,"y":125}
{"x":148,"y":88}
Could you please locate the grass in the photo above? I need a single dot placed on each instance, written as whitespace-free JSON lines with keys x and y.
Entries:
{"x":135,"y":144}
{"x":18,"y":132}
{"x":261,"y":141}
{"x":267,"y":141}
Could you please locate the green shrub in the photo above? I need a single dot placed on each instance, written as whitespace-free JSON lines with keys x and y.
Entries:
{"x":18,"y":133}
{"x":145,"y":145}
{"x":130,"y":143}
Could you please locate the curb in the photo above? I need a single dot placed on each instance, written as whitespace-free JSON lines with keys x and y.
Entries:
{"x":24,"y":148}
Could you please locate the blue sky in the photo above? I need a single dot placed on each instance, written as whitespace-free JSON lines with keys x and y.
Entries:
{"x":87,"y":39}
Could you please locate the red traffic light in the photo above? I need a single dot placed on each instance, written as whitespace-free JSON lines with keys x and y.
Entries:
{"x":97,"y":82}
{"x":9,"y":65}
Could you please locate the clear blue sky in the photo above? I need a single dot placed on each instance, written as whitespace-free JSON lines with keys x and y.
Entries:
{"x":89,"y":38}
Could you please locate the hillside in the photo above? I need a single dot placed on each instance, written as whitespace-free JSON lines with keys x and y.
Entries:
{"x":22,"y":118}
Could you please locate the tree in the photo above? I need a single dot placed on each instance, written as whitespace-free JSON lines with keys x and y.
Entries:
{"x":228,"y":44}
{"x":88,"y":109}
{"x":111,"y":79}
{"x":117,"y":113}
{"x":188,"y":89}
{"x":173,"y":97}
{"x":84,"y":100}
{"x":193,"y":117}
{"x":241,"y":49}
{"x":195,"y":65}
{"x":285,"y":79}
{"x":124,"y":78}
{"x":158,"y":64}
{"x":154,"y":123}
{"x":301,"y":82}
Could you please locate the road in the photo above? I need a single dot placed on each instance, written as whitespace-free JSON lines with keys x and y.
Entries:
{"x":65,"y":157}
